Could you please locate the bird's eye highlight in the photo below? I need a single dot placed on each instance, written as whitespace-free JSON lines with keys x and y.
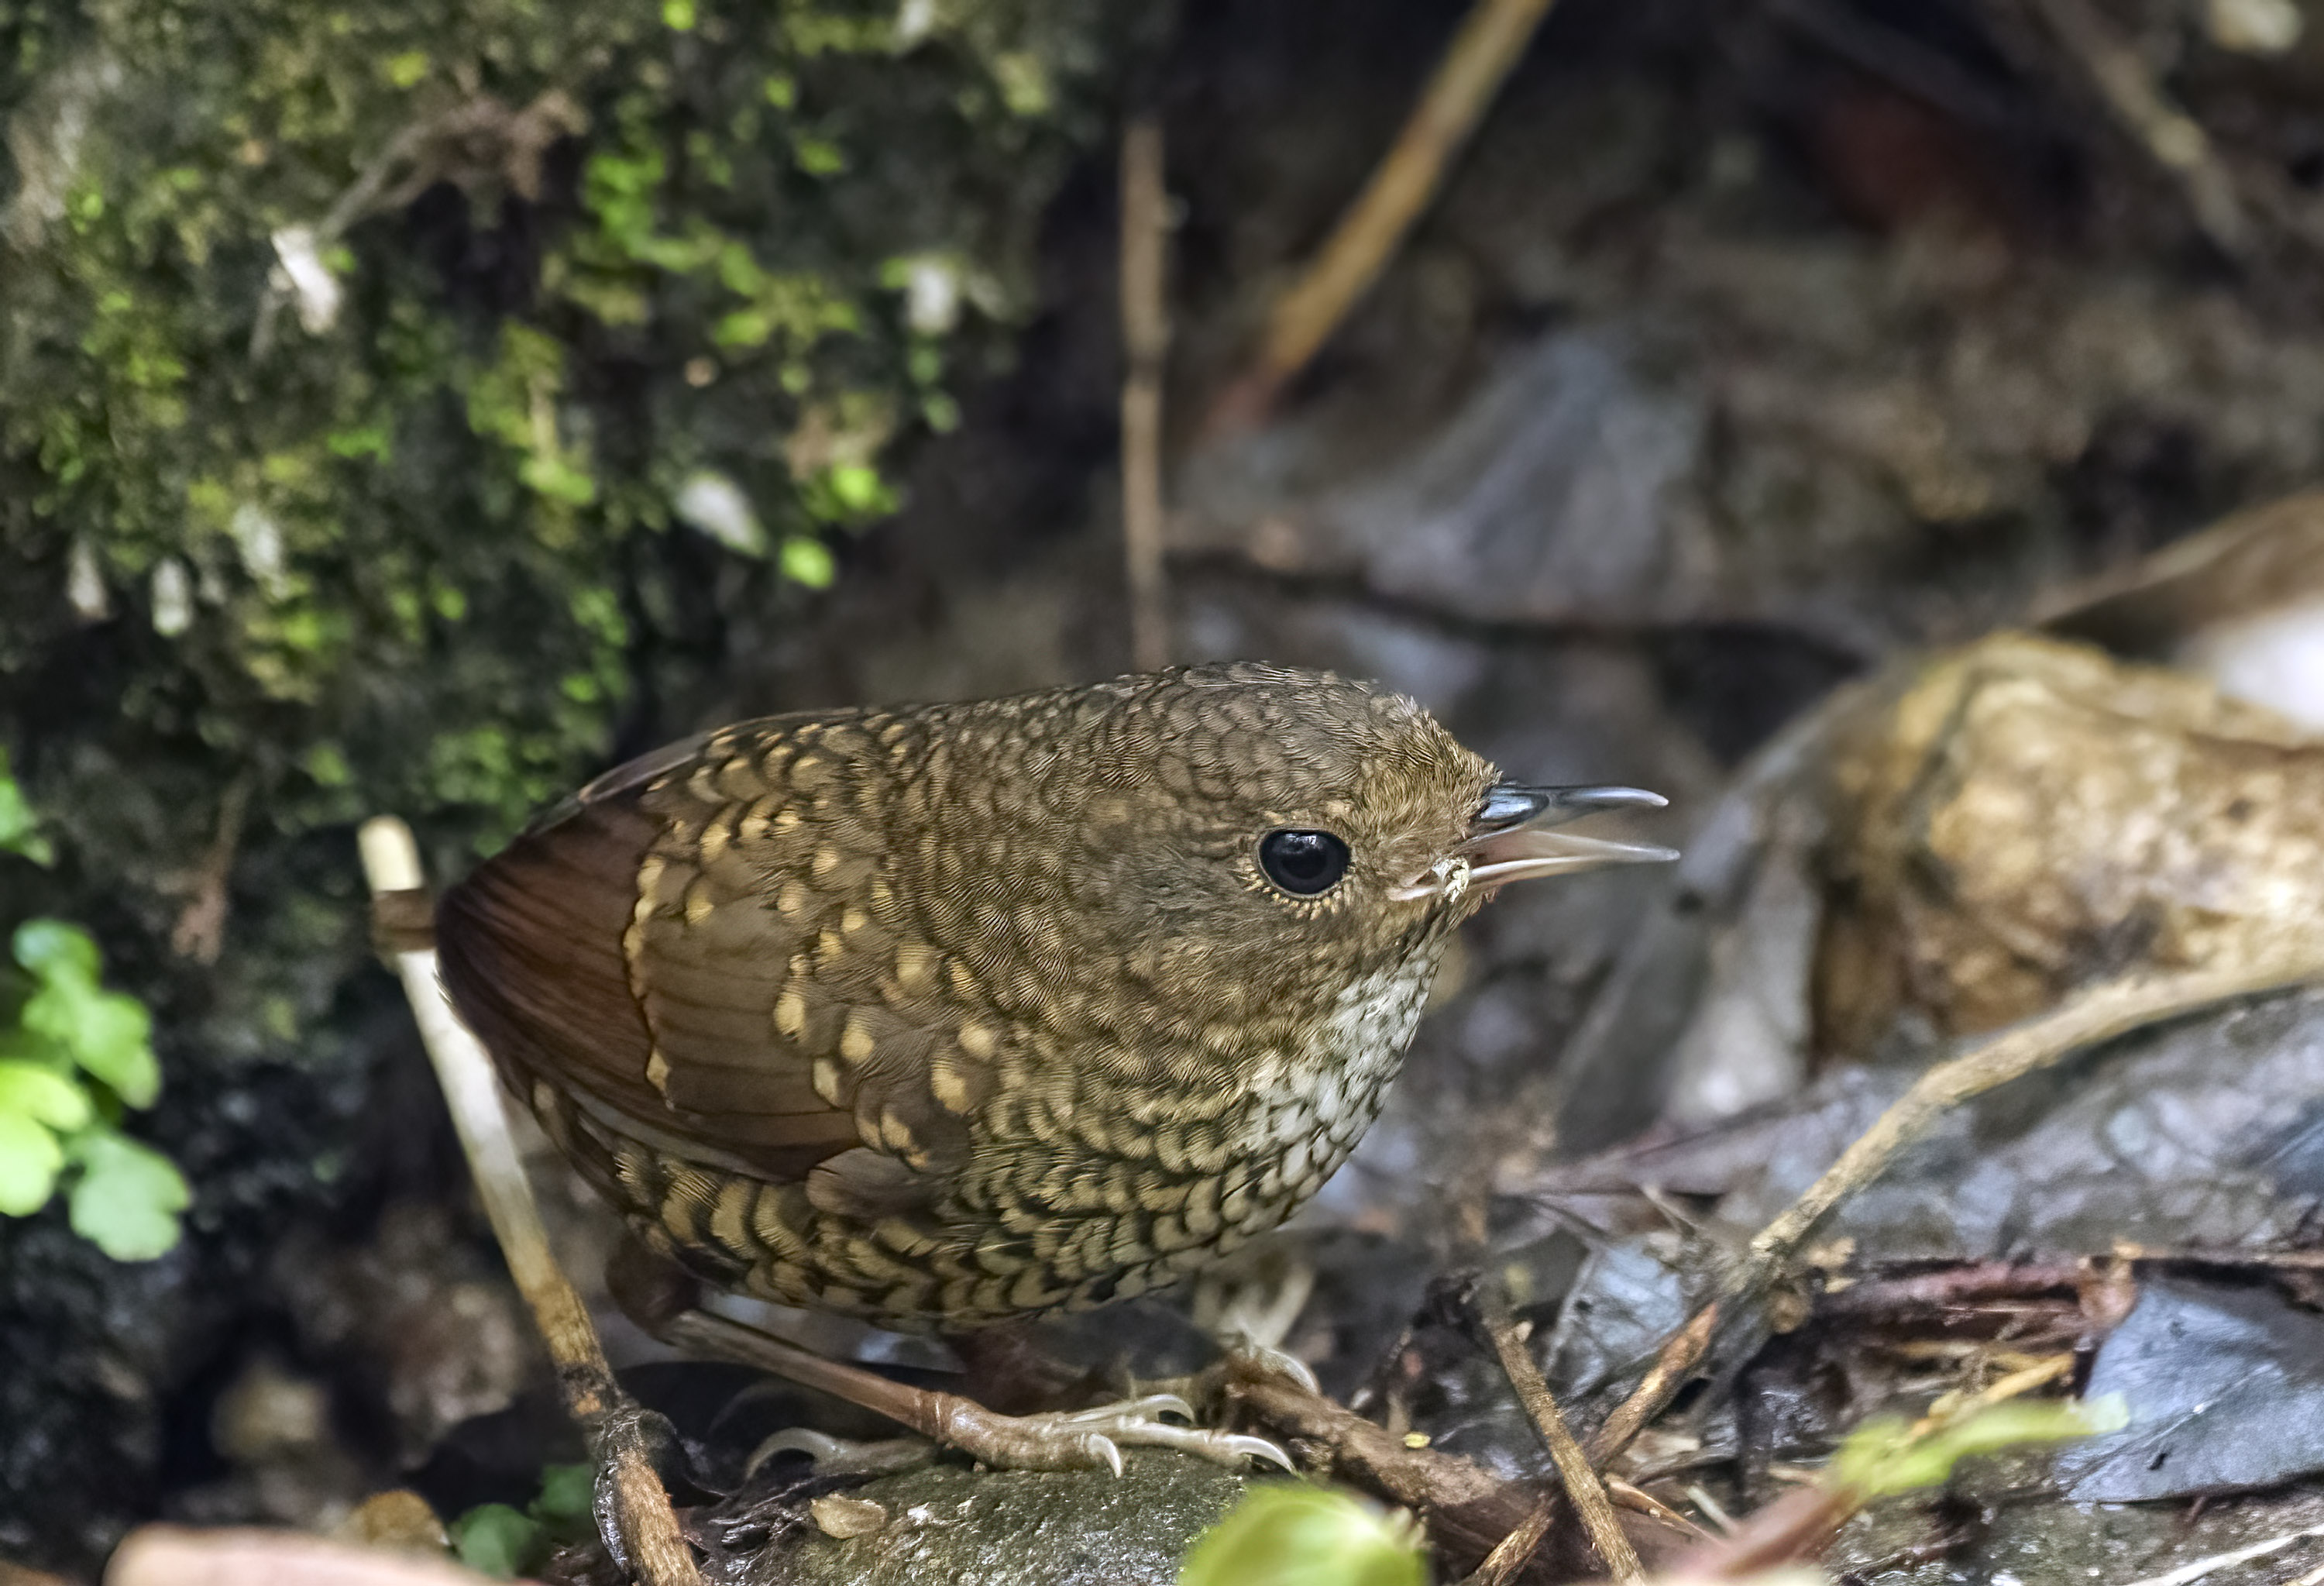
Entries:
{"x":1303,"y":864}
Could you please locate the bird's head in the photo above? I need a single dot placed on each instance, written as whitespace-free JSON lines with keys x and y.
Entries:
{"x":1246,"y":840}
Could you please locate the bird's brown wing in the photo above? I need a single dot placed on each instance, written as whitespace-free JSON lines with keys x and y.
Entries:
{"x":706,"y":943}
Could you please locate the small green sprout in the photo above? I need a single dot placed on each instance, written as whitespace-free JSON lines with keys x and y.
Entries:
{"x":501,"y":1540}
{"x":72,"y":1055}
{"x":1885,"y":1456}
{"x":1296,"y":1534}
{"x":19,"y":831}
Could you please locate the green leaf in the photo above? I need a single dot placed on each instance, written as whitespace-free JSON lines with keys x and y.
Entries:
{"x":30,"y":1161}
{"x":19,"y":829}
{"x":52,"y":949}
{"x":744,"y":327}
{"x":1293,"y":1534}
{"x":849,"y":492}
{"x":808,"y":562}
{"x":1881,"y":1457}
{"x":40,"y":1092}
{"x":567,"y":1492}
{"x":496,"y":1539}
{"x":328,"y":764}
{"x":108,"y":1034}
{"x":557,"y":479}
{"x":818,"y":156}
{"x":128,"y":1196}
{"x":858,"y":488}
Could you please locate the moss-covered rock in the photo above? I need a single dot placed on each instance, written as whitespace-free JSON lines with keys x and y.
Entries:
{"x":949,"y":1526}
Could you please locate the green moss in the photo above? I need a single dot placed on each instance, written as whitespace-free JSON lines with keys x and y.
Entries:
{"x":398,"y":490}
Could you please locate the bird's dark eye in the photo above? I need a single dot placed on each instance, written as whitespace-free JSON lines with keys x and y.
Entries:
{"x":1303,"y":864}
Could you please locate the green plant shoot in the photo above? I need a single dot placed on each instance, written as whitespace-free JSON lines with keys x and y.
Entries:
{"x":19,"y":832}
{"x":1295,"y":1533}
{"x":501,"y":1540}
{"x":73,"y":1055}
{"x":1883,"y":1456}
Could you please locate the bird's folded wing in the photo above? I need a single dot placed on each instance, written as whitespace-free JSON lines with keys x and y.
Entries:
{"x":704,"y":943}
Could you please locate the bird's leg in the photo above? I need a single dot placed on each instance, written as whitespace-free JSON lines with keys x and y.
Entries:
{"x":1078,"y":1440}
{"x":1249,"y":1315}
{"x":1254,"y":1304}
{"x":660,"y":1298}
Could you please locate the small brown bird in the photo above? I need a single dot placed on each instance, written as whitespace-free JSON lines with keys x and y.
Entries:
{"x":941,"y":1016}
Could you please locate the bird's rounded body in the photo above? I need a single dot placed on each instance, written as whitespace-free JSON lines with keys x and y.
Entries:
{"x":1084,"y":1200}
{"x":942,"y":1016}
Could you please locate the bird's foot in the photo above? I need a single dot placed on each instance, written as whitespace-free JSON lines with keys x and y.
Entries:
{"x":1076,"y":1440}
{"x":1087,"y":1440}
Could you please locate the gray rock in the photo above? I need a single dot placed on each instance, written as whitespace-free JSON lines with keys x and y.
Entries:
{"x":948,"y":1524}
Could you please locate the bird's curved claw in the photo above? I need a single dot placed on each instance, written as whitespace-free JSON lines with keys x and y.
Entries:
{"x":1229,"y":1449}
{"x":1112,"y":1452}
{"x":1085,"y":1440}
{"x":820,"y":1447}
{"x":1149,"y":1408}
{"x":1250,"y":1358}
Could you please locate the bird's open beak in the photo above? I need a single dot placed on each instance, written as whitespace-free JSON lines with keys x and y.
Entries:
{"x":1513,"y":835}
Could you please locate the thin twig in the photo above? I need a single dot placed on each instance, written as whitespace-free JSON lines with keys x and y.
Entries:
{"x":1956,"y":1408}
{"x":649,"y":1532}
{"x":1673,"y":1363}
{"x":1701,"y":1498}
{"x":1513,"y":1552}
{"x":1466,"y":1508}
{"x":2095,"y":1014}
{"x":1949,"y":1291}
{"x":2098,"y":1013}
{"x":2174,"y":138}
{"x":2195,"y":1256}
{"x":199,"y":933}
{"x":479,"y":137}
{"x":1569,"y":1314}
{"x":1470,"y":1514}
{"x":1582,"y":1485}
{"x":1640,"y":1502}
{"x":1144,"y":341}
{"x":1491,"y":39}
